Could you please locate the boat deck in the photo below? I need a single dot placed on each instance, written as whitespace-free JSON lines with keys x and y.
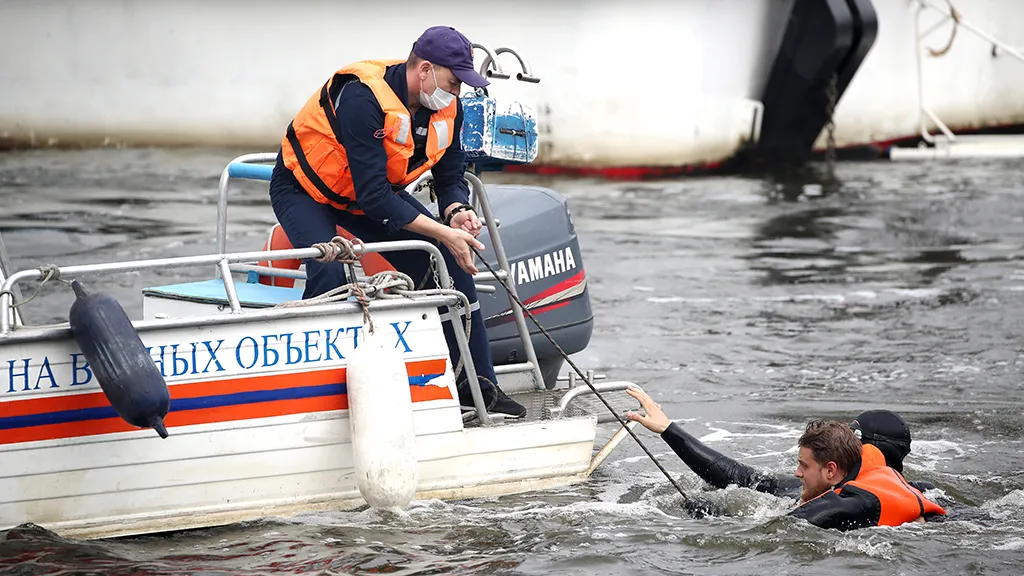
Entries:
{"x":542,"y":404}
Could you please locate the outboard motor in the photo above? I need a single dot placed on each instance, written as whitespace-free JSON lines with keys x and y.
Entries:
{"x":546,"y":269}
{"x":119,"y":360}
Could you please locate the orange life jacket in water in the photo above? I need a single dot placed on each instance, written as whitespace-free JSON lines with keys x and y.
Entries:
{"x":900,"y":502}
{"x":876,"y":495}
{"x":312,"y":150}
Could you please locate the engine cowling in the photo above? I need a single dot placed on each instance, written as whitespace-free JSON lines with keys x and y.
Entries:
{"x":546,"y":269}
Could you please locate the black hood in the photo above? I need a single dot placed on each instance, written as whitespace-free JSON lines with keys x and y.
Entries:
{"x":888,"y":432}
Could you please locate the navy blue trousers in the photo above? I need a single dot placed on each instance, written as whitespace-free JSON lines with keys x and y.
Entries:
{"x":307,"y":222}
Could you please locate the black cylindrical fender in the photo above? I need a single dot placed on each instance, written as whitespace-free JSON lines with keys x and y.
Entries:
{"x":119,"y":360}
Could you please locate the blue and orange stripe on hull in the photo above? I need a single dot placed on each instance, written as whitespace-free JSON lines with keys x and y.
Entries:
{"x":227,"y":400}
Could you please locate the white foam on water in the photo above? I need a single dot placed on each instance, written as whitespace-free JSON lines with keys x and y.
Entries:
{"x":937,"y":448}
{"x":917,"y":293}
{"x":577,"y":510}
{"x":899,"y":293}
{"x":718,"y":433}
{"x":614,"y":492}
{"x":434,"y":511}
{"x":748,"y":503}
{"x":1011,"y":544}
{"x":848,"y":249}
{"x":674,"y":299}
{"x":927,"y":454}
{"x":631,"y":459}
{"x":1007,"y":507}
{"x":794,"y":449}
{"x":369,"y":516}
{"x":873,"y":546}
{"x":950,"y":366}
{"x":808,"y":298}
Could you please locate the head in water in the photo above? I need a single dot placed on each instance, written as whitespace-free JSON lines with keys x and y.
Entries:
{"x":828,"y":452}
{"x":888,"y":432}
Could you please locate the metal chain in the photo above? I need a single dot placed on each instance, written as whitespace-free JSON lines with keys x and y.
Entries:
{"x":432,"y":268}
{"x":453,"y":311}
{"x":830,"y":126}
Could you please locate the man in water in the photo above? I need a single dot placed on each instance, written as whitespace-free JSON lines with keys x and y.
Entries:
{"x":848,"y":475}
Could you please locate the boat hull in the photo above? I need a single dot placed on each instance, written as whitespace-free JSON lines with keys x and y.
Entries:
{"x":258,"y":426}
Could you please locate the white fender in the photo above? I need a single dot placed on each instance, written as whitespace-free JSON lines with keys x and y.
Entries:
{"x":380,"y":414}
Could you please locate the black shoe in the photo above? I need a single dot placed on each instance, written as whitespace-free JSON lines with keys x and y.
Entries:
{"x":498,"y":402}
{"x":495,"y":399}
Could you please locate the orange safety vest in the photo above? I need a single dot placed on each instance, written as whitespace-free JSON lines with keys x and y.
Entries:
{"x":900,"y":501}
{"x":312,"y":150}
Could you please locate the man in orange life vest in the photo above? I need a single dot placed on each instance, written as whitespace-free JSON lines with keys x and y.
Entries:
{"x":345,"y":159}
{"x":844,"y":482}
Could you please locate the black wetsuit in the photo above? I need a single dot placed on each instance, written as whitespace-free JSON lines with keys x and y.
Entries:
{"x":854,"y":509}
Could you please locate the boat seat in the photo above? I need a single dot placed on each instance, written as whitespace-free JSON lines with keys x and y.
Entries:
{"x":250,"y":295}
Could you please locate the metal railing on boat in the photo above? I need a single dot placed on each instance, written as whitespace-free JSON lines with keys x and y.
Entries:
{"x":948,"y":144}
{"x":5,"y":267}
{"x":223,"y":261}
{"x":254,"y":167}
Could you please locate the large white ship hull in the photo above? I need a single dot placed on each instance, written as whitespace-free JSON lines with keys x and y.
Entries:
{"x":638,"y":83}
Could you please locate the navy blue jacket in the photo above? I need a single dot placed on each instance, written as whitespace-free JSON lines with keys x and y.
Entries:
{"x":361,"y":117}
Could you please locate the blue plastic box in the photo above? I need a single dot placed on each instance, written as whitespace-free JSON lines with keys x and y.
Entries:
{"x":496,"y":132}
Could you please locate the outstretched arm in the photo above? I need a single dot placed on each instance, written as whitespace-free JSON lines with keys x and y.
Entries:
{"x":712,"y":466}
{"x":719,"y":470}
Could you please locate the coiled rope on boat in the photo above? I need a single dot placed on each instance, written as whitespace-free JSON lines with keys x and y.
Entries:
{"x":386,"y":285}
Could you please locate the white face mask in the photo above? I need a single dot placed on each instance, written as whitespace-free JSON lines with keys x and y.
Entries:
{"x":440,"y":99}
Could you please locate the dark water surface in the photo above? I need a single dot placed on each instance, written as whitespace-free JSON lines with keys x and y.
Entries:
{"x":745,"y":305}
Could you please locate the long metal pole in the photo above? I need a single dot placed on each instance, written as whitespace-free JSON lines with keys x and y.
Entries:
{"x":499,"y":252}
{"x":214,"y":259}
{"x":256,"y":316}
{"x":920,"y":82}
{"x":229,"y":287}
{"x":6,"y":268}
{"x":222,"y":198}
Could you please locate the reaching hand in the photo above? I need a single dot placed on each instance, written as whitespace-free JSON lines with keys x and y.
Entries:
{"x":655,"y":420}
{"x":459,"y":241}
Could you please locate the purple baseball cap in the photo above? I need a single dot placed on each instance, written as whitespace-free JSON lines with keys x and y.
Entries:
{"x":446,"y":46}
